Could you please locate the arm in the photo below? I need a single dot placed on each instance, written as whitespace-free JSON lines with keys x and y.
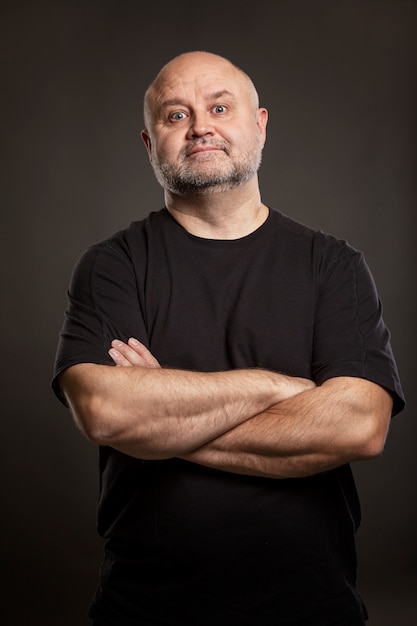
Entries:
{"x":344,"y":420}
{"x":156,"y":413}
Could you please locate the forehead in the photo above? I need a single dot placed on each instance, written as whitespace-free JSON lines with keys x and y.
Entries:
{"x":191,"y":79}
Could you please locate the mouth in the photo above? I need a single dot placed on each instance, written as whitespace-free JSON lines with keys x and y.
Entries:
{"x":200,"y":150}
{"x":204,"y":149}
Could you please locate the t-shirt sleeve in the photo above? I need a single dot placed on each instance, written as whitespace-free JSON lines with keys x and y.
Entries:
{"x":103,"y":304}
{"x":351,"y":338}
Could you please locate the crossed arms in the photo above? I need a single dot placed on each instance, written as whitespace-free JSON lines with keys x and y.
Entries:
{"x":249,"y":421}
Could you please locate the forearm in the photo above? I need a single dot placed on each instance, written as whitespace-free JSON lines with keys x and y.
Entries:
{"x":160,"y":413}
{"x":344,"y":420}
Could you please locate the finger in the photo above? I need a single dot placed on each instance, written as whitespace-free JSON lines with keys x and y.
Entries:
{"x":143,"y":351}
{"x":132,"y":353}
{"x":125,"y":355}
{"x":118,"y":358}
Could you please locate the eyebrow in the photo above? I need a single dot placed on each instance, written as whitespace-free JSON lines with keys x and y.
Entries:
{"x":219,"y":94}
{"x":212,"y":96}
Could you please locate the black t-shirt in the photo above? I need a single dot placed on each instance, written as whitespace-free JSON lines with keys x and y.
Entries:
{"x":191,"y":546}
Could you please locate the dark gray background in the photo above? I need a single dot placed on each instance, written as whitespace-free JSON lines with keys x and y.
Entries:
{"x":339,"y":80}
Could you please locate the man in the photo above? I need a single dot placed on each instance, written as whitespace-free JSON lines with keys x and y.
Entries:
{"x":252,"y":366}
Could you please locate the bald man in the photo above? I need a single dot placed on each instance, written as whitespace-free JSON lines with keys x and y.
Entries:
{"x":230,"y":363}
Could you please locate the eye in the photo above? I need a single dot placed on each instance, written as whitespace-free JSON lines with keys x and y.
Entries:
{"x":219,"y":109}
{"x":177,"y":116}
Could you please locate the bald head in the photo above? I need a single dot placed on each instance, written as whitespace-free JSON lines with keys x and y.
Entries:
{"x":187,"y":65}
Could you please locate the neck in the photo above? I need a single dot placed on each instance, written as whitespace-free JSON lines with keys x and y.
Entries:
{"x":227,"y":215}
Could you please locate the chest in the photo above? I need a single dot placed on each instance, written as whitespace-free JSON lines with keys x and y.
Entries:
{"x":222,"y":308}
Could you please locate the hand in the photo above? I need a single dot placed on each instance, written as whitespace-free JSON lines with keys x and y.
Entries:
{"x":132,"y":353}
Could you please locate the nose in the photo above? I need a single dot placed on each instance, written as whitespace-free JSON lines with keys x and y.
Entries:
{"x":200,"y":125}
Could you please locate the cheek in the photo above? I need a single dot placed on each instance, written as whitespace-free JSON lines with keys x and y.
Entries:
{"x":242,"y":136}
{"x":168,"y":147}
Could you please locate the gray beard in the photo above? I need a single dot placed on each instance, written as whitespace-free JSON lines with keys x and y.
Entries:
{"x":183,"y":180}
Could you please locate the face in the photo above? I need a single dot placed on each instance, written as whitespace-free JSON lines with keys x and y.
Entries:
{"x":205,"y":131}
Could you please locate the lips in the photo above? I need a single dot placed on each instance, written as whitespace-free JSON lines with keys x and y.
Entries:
{"x":204,"y":148}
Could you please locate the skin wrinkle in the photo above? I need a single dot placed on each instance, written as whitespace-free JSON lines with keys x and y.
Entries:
{"x":152,"y":92}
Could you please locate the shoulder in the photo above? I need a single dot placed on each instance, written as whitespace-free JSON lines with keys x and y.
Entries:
{"x":323,"y":248}
{"x":122,"y":244}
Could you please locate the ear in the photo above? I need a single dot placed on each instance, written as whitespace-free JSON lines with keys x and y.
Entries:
{"x":261,"y":122}
{"x":147,"y":141}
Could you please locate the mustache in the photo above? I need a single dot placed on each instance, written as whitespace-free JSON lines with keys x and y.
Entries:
{"x":220,"y":145}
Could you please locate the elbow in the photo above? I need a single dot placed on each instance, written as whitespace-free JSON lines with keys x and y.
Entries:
{"x":99,"y":415}
{"x":94,"y":420}
{"x":90,"y":421}
{"x":90,"y":411}
{"x":102,"y":425}
{"x":371,"y":443}
{"x":95,"y":431}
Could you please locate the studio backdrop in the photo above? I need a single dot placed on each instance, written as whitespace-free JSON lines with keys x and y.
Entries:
{"x":339,"y":80}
